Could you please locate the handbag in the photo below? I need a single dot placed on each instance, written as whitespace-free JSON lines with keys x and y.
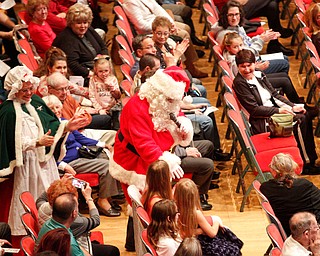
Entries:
{"x":281,"y":125}
{"x":90,"y":152}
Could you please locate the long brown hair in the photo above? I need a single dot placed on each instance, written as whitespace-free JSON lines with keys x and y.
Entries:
{"x":157,"y":183}
{"x":187,"y":198}
{"x":57,"y":240}
{"x":163,"y":221}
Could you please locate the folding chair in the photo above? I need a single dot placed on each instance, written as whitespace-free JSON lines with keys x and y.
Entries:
{"x":135,"y":196}
{"x":126,"y":57}
{"x":27,"y":245}
{"x":275,"y":236}
{"x":208,"y":11}
{"x":25,"y":60}
{"x":273,"y":219}
{"x":256,"y":186}
{"x":123,"y":43}
{"x":147,"y":244}
{"x":125,"y":70}
{"x":125,"y":31}
{"x":212,"y":43}
{"x":257,"y":162}
{"x":30,"y":225}
{"x":126,"y":85}
{"x":29,"y":205}
{"x":22,"y":16}
{"x":143,"y":216}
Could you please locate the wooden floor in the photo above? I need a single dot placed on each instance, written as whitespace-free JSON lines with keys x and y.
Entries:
{"x":249,"y":225}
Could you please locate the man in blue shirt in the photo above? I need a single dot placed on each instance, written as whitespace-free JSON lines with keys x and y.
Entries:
{"x":64,"y":212}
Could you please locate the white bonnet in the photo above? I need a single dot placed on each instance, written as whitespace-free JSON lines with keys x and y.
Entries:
{"x":15,"y":77}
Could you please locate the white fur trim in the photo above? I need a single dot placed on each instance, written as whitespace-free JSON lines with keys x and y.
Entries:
{"x":164,"y":84}
{"x":171,"y":159}
{"x":18,"y":132}
{"x":128,"y":177}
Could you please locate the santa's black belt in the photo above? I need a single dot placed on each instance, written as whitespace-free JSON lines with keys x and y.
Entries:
{"x":129,"y":145}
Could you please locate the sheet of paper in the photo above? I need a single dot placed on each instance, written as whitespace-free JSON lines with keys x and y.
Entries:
{"x":7,"y":4}
{"x":11,"y":250}
{"x":4,"y":68}
{"x":272,"y":56}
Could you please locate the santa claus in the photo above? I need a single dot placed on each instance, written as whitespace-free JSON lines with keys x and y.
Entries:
{"x":147,"y":133}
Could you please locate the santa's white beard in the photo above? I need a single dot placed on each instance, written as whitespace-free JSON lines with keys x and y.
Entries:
{"x":160,"y":109}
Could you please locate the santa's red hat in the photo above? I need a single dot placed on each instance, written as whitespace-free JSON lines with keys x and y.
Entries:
{"x":179,"y":75}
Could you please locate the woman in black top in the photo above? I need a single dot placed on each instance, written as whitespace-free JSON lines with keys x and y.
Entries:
{"x":288,"y":194}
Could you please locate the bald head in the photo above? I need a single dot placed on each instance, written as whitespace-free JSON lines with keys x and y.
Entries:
{"x":300,"y":222}
{"x":65,"y":207}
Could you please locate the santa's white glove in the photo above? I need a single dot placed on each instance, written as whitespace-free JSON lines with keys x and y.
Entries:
{"x":177,"y":172}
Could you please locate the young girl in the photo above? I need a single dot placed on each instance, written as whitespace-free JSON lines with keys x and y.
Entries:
{"x":158,"y":185}
{"x":163,"y":229}
{"x":104,"y":91}
{"x":233,"y":43}
{"x":214,"y":238}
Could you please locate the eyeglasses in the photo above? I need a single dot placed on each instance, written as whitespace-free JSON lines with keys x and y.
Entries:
{"x":159,"y":34}
{"x":148,"y":47}
{"x":316,"y":228}
{"x":26,"y":90}
{"x":231,"y":15}
{"x":61,"y":89}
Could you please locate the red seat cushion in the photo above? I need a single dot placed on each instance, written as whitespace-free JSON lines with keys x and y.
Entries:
{"x":264,"y":158}
{"x":91,"y":178}
{"x":263,"y":142}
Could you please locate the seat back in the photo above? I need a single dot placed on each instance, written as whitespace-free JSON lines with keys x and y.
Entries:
{"x":231,"y":101}
{"x":125,"y":31}
{"x":228,"y":83}
{"x":123,"y":43}
{"x":118,"y":10}
{"x":126,"y":57}
{"x":275,"y":252}
{"x":275,"y":236}
{"x":29,"y":205}
{"x":125,"y":70}
{"x":211,"y":20}
{"x":126,"y":87}
{"x":147,"y":244}
{"x":214,"y":8}
{"x":301,"y":19}
{"x":143,"y":216}
{"x":22,"y":16}
{"x":92,"y":178}
{"x":300,"y":4}
{"x":135,"y":196}
{"x":256,"y":185}
{"x":30,"y":225}
{"x":273,"y":218}
{"x":27,"y":245}
{"x":225,"y":68}
{"x":25,"y":60}
{"x":312,"y":49}
{"x":315,"y":64}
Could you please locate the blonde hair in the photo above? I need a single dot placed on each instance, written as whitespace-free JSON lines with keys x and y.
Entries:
{"x":228,"y":39}
{"x":311,"y":18}
{"x":79,"y":13}
{"x":285,"y":168}
{"x":186,"y":196}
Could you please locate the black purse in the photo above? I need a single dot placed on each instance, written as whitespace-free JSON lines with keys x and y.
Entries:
{"x":90,"y":152}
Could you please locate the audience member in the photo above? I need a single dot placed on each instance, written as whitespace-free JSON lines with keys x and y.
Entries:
{"x":80,"y":42}
{"x":288,"y":194}
{"x":104,"y":91}
{"x":58,"y":85}
{"x":64,"y":212}
{"x":29,"y":134}
{"x":233,"y":43}
{"x":305,"y":238}
{"x":5,"y":237}
{"x":82,"y":225}
{"x":142,"y":13}
{"x":40,"y":31}
{"x":313,"y":23}
{"x":163,"y":232}
{"x":72,"y":162}
{"x":232,"y":18}
{"x":158,"y":185}
{"x":215,"y":239}
{"x":55,"y":60}
{"x":57,"y":240}
{"x":190,"y":246}
{"x":261,"y":100}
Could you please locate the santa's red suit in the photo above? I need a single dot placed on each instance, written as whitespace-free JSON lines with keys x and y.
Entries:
{"x":138,"y":142}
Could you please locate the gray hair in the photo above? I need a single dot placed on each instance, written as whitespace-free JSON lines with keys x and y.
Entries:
{"x":299,"y":223}
{"x":55,"y":79}
{"x":51,"y":100}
